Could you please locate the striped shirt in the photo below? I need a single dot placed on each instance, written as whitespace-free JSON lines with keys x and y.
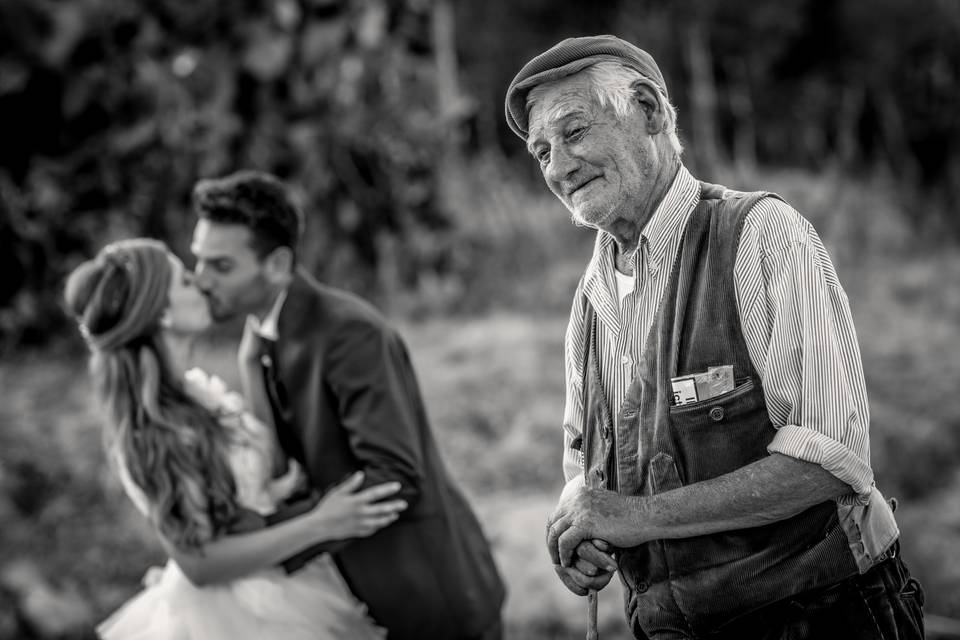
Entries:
{"x":795,"y":319}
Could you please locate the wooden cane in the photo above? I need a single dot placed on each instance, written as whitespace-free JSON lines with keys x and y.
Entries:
{"x":592,"y":633}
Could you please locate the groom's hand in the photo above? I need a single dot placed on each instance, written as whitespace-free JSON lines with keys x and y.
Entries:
{"x":291,"y":509}
{"x":245,"y":521}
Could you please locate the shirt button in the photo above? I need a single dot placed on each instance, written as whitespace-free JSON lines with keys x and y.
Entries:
{"x":625,"y":360}
{"x":266,"y":361}
{"x":642,"y":587}
{"x":716,"y":414}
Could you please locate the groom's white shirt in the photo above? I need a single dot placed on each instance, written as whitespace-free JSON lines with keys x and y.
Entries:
{"x":268,"y":327}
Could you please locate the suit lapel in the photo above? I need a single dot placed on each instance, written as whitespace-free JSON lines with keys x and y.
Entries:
{"x":279,"y":361}
{"x":279,"y":401}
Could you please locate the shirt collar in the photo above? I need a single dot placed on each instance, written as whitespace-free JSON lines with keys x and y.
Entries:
{"x":670,"y":218}
{"x":269,"y":326}
{"x":666,"y":224}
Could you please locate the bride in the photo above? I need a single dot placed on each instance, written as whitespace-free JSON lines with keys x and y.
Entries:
{"x":206,"y":471}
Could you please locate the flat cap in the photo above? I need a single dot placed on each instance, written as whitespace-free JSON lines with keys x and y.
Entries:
{"x":566,"y":58}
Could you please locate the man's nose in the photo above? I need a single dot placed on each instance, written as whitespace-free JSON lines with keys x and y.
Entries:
{"x":201,"y":278}
{"x":561,"y":166}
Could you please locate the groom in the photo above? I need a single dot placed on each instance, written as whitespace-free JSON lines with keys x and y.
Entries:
{"x":345,"y":398}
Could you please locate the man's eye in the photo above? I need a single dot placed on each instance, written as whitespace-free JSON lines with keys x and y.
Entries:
{"x":576,"y":133}
{"x":543,"y":155}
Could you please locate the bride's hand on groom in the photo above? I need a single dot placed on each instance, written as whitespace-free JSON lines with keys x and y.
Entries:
{"x":346,"y":511}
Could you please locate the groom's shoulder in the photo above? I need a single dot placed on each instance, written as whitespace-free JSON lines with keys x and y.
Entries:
{"x":340,"y":307}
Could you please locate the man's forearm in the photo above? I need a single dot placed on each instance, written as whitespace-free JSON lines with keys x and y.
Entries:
{"x":769,"y":490}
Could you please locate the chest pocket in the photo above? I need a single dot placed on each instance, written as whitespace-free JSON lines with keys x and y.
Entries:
{"x":719,"y":435}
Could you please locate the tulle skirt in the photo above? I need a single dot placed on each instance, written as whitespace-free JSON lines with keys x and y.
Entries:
{"x":312,"y":604}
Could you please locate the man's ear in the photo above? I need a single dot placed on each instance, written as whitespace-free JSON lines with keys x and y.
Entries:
{"x":651,"y":106}
{"x":278,"y":265}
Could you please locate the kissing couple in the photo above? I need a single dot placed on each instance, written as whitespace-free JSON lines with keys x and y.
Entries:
{"x":312,"y":503}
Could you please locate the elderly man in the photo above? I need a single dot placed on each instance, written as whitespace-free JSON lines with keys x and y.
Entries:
{"x":716,"y":430}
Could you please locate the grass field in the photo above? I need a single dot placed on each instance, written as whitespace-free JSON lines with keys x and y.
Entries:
{"x":493,"y":385}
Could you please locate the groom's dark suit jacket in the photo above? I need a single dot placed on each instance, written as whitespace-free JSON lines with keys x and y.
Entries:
{"x":345,"y":397}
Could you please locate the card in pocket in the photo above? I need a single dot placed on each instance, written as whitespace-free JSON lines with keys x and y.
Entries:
{"x":711,"y":383}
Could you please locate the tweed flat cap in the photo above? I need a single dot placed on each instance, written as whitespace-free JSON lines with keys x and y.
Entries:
{"x":567,"y":58}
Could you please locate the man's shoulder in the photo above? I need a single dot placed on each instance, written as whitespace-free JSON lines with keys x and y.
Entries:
{"x":318,"y":308}
{"x":345,"y":303}
{"x":774,"y":225}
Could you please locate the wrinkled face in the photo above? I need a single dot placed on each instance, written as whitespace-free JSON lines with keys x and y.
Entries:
{"x":598,"y":164}
{"x":187,"y":311}
{"x":228,"y":270}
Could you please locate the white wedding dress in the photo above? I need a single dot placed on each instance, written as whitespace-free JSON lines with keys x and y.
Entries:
{"x":312,"y":604}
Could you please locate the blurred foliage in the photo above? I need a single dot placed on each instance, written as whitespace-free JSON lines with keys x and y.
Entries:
{"x":799,"y":82}
{"x":112,"y":109}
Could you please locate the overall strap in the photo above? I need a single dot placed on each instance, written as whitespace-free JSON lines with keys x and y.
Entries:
{"x":589,"y":319}
{"x":597,"y":443}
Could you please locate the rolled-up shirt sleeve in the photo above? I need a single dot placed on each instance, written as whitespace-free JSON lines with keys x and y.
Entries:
{"x":801,"y":338}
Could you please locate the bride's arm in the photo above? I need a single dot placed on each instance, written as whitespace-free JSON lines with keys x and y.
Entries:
{"x":235,"y":556}
{"x":342,"y":513}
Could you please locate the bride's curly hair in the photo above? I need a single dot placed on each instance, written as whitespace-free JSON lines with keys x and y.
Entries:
{"x":173,"y":448}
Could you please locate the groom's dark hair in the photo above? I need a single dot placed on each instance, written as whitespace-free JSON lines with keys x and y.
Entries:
{"x":256,"y":200}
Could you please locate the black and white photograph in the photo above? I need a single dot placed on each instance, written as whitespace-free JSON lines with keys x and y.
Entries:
{"x":501,"y":320}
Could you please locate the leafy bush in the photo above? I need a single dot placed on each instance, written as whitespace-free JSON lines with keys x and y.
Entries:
{"x":113,"y":110}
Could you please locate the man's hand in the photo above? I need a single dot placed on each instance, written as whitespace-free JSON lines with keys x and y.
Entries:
{"x":586,"y":514}
{"x":592,"y":568}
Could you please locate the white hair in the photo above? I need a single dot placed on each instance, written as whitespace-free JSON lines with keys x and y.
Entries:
{"x":614,"y":85}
